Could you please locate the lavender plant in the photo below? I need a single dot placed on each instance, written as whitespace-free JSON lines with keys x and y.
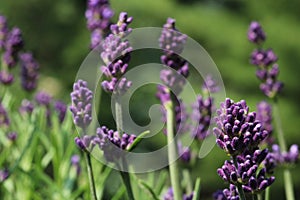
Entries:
{"x":267,"y":72}
{"x":239,"y":134}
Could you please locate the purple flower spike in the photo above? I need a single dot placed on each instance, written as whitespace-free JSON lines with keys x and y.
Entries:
{"x":184,"y":153}
{"x":256,"y":33}
{"x":285,"y":158}
{"x":61,"y":109}
{"x":267,"y":70}
{"x":4,"y":120}
{"x":81,"y":107}
{"x":26,"y":107}
{"x":98,"y":16}
{"x":121,"y":28}
{"x":112,"y":143}
{"x":116,"y":56}
{"x":264,"y":115}
{"x":29,"y":72}
{"x":43,"y":98}
{"x":172,"y":42}
{"x":169,"y":195}
{"x":13,"y":44}
{"x":6,"y":78}
{"x":202,"y":112}
{"x":210,"y":85}
{"x":238,"y":129}
{"x":75,"y":161}
{"x":3,"y":31}
{"x":12,"y":136}
{"x":4,"y":174}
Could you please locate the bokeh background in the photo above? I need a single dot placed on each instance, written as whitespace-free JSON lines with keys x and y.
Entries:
{"x":55,"y":30}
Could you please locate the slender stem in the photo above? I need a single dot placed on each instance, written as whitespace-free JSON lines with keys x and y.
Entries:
{"x":188,"y":179}
{"x":126,"y":179}
{"x":267,"y":193}
{"x":123,"y":171}
{"x":279,"y":130}
{"x":254,"y":197}
{"x":119,"y":116}
{"x":90,"y":175}
{"x":197,"y":188}
{"x":288,"y":183}
{"x":289,"y":191}
{"x":239,"y":186}
{"x":173,"y":152}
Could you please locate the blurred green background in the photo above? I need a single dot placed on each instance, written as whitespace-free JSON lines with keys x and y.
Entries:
{"x":56,"y":32}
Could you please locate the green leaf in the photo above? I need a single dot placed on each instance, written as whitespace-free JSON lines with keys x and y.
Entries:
{"x":149,"y":189}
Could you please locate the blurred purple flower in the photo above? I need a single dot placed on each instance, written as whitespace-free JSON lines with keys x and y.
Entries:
{"x":75,"y":161}
{"x":43,"y":98}
{"x":6,"y":78}
{"x":3,"y":31}
{"x":61,"y":109}
{"x":29,"y":72}
{"x":12,"y":136}
{"x":172,"y":42}
{"x":285,"y":158}
{"x":264,"y":115}
{"x":169,"y":195}
{"x":26,"y":107}
{"x":4,"y":120}
{"x":4,"y":174}
{"x":202,"y":112}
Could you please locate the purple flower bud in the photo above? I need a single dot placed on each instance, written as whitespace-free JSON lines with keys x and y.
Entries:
{"x":6,"y":78}
{"x":4,"y":120}
{"x":29,"y":72}
{"x":4,"y":174}
{"x":12,"y":136}
{"x":26,"y":107}
{"x":43,"y":98}
{"x":61,"y":109}
{"x":75,"y":161}
{"x":256,"y":33}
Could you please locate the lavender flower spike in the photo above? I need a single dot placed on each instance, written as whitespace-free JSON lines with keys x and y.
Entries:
{"x":237,"y":129}
{"x":4,"y":120}
{"x":81,"y":107}
{"x":61,"y":109}
{"x":43,"y":98}
{"x":264,"y":115}
{"x":116,"y":56}
{"x":3,"y":31}
{"x":98,"y":15}
{"x":13,"y":44}
{"x":29,"y":72}
{"x":256,"y":33}
{"x":172,"y":42}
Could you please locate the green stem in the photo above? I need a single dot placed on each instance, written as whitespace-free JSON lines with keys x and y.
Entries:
{"x":172,"y":152}
{"x":197,"y":188}
{"x":267,"y":193}
{"x":126,"y":180}
{"x":279,"y":130}
{"x":288,"y":183}
{"x":188,"y":180}
{"x":289,"y":191}
{"x":90,"y":175}
{"x":123,"y":171}
{"x":239,"y":186}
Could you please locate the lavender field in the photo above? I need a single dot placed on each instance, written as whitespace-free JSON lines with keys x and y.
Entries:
{"x":137,"y":100}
